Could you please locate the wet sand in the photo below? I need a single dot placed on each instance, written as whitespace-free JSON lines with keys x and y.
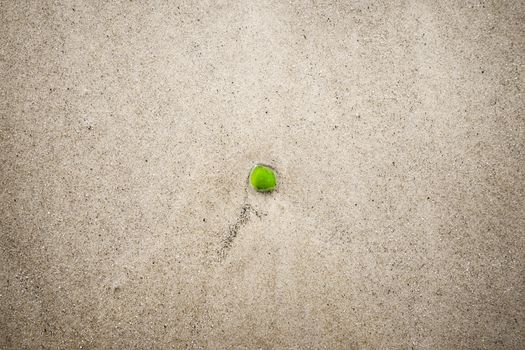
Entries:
{"x":128,"y":130}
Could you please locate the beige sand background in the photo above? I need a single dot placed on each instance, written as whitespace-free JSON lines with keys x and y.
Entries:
{"x":128,"y":130}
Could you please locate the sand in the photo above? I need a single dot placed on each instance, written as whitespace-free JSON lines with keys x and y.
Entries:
{"x":128,"y":130}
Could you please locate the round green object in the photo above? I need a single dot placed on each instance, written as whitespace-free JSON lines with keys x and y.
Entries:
{"x":263,"y":178}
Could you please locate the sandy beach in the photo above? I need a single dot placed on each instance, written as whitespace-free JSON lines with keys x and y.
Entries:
{"x":128,"y":130}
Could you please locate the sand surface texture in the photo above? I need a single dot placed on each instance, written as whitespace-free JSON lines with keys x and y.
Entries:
{"x":128,"y":130}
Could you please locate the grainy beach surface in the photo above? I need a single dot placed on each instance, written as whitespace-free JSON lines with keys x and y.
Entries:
{"x":128,"y":129}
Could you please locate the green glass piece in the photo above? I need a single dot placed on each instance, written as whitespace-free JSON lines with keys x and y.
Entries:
{"x":263,"y":178}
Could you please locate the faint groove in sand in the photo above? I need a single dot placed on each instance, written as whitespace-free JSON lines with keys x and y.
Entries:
{"x":233,"y":230}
